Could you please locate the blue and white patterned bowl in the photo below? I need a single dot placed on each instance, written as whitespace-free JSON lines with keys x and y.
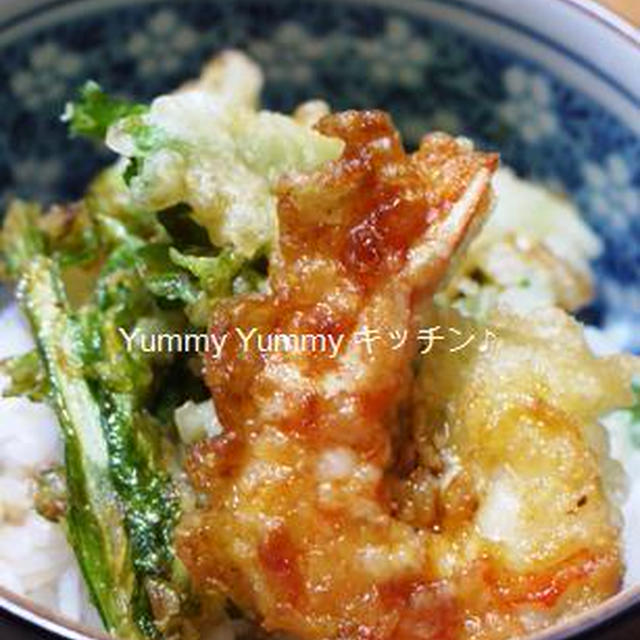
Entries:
{"x":555,"y":86}
{"x":556,"y":92}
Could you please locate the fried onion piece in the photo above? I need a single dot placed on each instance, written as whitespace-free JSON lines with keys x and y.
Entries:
{"x":298,"y":528}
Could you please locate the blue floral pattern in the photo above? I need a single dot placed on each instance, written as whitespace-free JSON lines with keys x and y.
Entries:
{"x":609,"y":191}
{"x":47,"y":77}
{"x":158,"y":47}
{"x":290,"y":55}
{"x":397,"y":56}
{"x":529,"y":105}
{"x":427,"y":74}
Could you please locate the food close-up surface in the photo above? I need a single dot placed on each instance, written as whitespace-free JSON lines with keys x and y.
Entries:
{"x":319,"y":321}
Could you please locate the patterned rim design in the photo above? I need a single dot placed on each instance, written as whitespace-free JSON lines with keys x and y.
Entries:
{"x":589,"y":7}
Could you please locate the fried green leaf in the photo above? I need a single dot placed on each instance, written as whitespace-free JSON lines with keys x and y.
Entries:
{"x":94,"y":111}
{"x":221,"y":159}
{"x":93,"y":520}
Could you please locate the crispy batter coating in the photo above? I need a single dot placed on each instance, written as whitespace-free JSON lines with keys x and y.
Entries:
{"x":319,"y":520}
{"x":510,"y":469}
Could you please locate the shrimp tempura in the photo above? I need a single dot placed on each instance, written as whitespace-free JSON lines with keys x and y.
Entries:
{"x":299,"y":529}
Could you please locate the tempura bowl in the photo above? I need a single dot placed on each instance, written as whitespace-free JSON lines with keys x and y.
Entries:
{"x":554,"y":86}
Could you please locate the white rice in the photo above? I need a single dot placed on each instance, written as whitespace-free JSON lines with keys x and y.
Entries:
{"x":35,"y":558}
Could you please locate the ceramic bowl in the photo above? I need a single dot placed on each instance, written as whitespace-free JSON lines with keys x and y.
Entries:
{"x":554,"y":86}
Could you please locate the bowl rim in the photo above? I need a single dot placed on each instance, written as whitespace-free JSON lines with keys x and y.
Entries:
{"x":44,"y":618}
{"x":60,"y":626}
{"x":607,"y":17}
{"x":23,"y":9}
{"x":32,"y":613}
{"x":604,"y":613}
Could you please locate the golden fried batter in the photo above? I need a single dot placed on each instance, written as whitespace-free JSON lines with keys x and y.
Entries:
{"x":511,"y":471}
{"x":299,"y":528}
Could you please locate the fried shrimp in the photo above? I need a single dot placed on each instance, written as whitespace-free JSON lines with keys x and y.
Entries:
{"x":510,"y":469}
{"x":299,"y":529}
{"x":350,"y":498}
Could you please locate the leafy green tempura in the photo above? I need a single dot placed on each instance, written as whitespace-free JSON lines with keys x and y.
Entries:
{"x":93,"y":519}
{"x":121,"y":506}
{"x":223,"y":163}
{"x":185,"y":217}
